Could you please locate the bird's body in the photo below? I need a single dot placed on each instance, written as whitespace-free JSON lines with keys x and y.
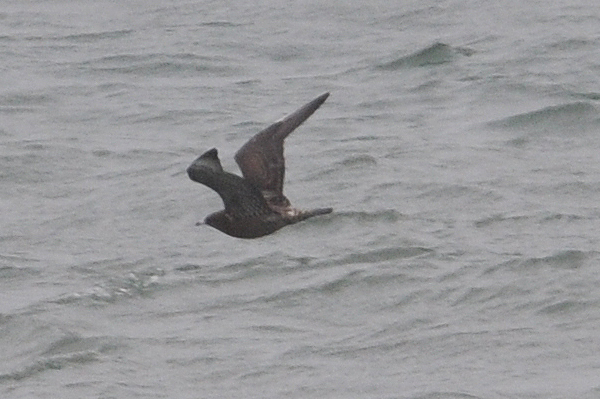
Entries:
{"x":255,"y":205}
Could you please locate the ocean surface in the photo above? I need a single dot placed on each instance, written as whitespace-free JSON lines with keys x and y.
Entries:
{"x":460,"y":150}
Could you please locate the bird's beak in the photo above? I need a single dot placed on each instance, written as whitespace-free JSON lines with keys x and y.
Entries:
{"x":200,"y":223}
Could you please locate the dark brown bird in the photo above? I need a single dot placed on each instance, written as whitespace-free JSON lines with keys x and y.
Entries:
{"x":255,"y":205}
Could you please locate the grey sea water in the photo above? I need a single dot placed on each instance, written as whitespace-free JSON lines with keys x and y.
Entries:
{"x":459,"y":148}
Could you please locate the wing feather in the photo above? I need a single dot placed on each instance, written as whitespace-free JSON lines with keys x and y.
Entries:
{"x":241,"y":199}
{"x":261,"y":159}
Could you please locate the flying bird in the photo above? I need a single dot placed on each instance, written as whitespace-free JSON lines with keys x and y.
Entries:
{"x":254,"y":204}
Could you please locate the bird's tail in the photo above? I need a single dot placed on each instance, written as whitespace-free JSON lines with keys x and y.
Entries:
{"x":303,"y":215}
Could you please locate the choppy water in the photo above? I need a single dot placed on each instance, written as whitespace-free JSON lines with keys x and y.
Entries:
{"x":459,"y":148}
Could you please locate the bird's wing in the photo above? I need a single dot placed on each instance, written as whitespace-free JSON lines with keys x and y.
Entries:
{"x":261,"y":158}
{"x":241,"y":198}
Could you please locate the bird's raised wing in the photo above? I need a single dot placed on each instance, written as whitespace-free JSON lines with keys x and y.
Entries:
{"x":261,"y":158}
{"x":241,"y":198}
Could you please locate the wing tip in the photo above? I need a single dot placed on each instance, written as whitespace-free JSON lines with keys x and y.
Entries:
{"x":324,"y":96}
{"x":212,"y":153}
{"x":317,"y":102}
{"x":208,"y":160}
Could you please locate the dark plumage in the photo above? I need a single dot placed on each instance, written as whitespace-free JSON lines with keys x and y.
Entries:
{"x":255,"y":205}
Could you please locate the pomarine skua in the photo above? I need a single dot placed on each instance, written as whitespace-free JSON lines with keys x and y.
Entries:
{"x":255,"y":205}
